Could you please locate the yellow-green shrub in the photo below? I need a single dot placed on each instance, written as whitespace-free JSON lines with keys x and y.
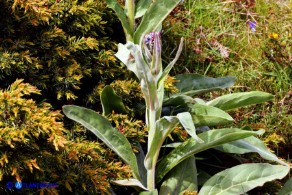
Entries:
{"x":35,"y":147}
{"x":65,"y":48}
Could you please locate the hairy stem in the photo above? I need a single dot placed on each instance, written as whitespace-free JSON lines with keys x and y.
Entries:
{"x":130,"y":7}
{"x":152,"y":117}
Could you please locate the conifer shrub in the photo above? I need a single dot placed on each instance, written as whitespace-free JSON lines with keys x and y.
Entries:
{"x":35,"y":147}
{"x":65,"y":48}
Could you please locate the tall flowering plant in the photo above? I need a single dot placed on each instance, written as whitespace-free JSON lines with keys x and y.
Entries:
{"x":176,"y":172}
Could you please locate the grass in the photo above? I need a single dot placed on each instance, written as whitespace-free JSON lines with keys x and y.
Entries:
{"x":220,"y":42}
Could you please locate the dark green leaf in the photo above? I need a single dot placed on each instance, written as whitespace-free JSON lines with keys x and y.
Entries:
{"x":287,"y":188}
{"x":140,"y":160}
{"x":111,"y":101}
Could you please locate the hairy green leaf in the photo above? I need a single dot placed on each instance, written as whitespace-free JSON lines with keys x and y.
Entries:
{"x":250,"y":144}
{"x":192,"y":84}
{"x":153,"y":17}
{"x":190,"y":147}
{"x":103,"y":129}
{"x":186,"y":121}
{"x":163,"y":127}
{"x":111,"y":101}
{"x":237,"y":100}
{"x":208,"y":115}
{"x":242,"y":178}
{"x":141,"y":7}
{"x":181,"y":178}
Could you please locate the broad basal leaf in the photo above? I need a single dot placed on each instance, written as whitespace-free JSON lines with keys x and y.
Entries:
{"x":250,"y":144}
{"x":190,"y":147}
{"x":237,"y":100}
{"x":242,"y":178}
{"x":204,"y":115}
{"x":192,"y":84}
{"x":181,"y":178}
{"x":103,"y":129}
{"x":111,"y":101}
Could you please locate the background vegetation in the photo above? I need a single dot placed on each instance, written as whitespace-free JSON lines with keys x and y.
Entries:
{"x":220,"y":42}
{"x":65,"y":50}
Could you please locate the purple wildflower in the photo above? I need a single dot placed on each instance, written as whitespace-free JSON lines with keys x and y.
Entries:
{"x":252,"y":25}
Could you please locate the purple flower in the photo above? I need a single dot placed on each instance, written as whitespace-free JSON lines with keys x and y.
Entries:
{"x":252,"y":25}
{"x":149,"y":38}
{"x":152,"y":52}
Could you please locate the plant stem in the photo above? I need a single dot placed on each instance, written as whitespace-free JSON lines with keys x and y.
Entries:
{"x":130,"y":7}
{"x":151,"y":179}
{"x":152,"y":117}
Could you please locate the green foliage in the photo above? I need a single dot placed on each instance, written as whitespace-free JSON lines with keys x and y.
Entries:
{"x":35,"y":148}
{"x":58,"y":46}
